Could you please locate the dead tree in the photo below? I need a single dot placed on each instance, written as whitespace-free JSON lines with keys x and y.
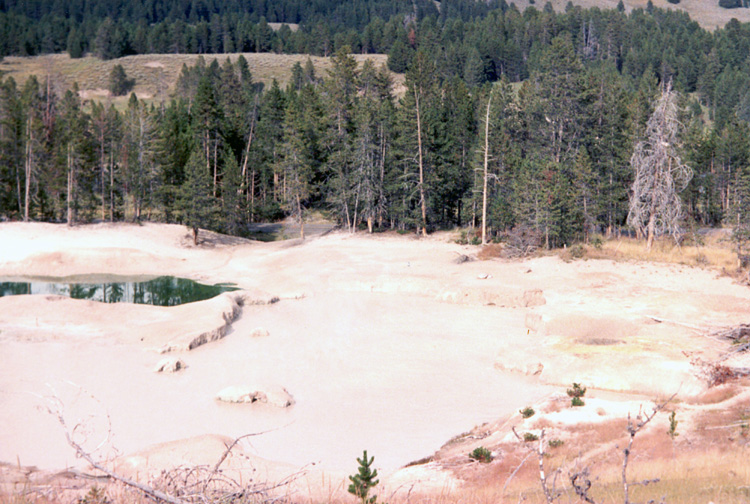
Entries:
{"x":486,"y":153}
{"x":660,"y":175}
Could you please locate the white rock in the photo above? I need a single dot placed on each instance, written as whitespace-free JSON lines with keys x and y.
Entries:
{"x":169,"y":365}
{"x":259,"y":332}
{"x":235,"y":394}
{"x":273,"y":395}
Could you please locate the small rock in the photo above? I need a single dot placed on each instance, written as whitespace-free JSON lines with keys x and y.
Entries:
{"x":259,"y":332}
{"x":278,"y":396}
{"x":273,"y":395}
{"x":484,"y":276}
{"x":169,"y":365}
{"x":462,"y":258}
{"x":533,"y":297}
{"x":236,"y":394}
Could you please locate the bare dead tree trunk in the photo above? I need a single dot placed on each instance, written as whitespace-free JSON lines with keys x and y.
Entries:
{"x":71,"y":186}
{"x":486,"y":163}
{"x":301,"y":221}
{"x":28,"y":168}
{"x":112,"y":185}
{"x":103,"y":161}
{"x":246,"y":156}
{"x":422,"y":199}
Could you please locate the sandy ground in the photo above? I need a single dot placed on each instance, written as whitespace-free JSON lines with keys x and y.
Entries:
{"x":385,"y":342}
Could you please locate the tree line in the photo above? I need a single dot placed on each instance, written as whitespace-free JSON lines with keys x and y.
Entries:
{"x":551,"y":155}
{"x":477,"y":41}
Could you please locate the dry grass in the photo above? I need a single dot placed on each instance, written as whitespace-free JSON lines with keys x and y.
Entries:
{"x":490,"y":251}
{"x":715,"y":251}
{"x":716,"y":395}
{"x":156,"y":74}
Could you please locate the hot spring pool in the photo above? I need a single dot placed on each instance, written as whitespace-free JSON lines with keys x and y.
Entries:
{"x":160,"y":291}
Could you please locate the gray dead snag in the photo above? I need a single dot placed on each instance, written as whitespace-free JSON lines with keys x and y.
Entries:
{"x":660,"y":175}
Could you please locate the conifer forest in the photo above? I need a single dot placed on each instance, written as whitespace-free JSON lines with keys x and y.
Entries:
{"x":520,"y":120}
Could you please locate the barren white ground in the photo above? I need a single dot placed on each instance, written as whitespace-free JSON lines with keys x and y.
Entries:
{"x":385,"y":342}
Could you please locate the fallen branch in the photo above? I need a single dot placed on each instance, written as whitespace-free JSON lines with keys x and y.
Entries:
{"x":515,"y":471}
{"x":676,"y":322}
{"x":183,"y":485}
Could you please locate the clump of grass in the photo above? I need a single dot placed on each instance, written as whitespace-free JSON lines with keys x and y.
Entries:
{"x":556,"y":443}
{"x":481,"y":454}
{"x":529,"y":437}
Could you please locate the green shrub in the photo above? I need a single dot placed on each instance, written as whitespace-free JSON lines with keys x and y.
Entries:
{"x":556,"y":443}
{"x":527,"y":412}
{"x":597,"y":242}
{"x":462,"y":239}
{"x":530,"y":436}
{"x":95,"y":495}
{"x":481,"y":454}
{"x":576,"y":393}
{"x":577,"y":251}
{"x":730,"y":4}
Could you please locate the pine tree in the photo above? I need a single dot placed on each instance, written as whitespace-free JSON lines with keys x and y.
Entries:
{"x":195,"y":202}
{"x":230,"y":194}
{"x":119,"y":83}
{"x":364,"y":480}
{"x":74,"y":149}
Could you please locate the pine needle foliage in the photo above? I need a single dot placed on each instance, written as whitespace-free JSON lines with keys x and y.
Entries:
{"x":364,"y":480}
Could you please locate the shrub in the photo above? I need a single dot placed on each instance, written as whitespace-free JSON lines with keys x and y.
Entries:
{"x":530,"y":436}
{"x":577,"y":251}
{"x":95,"y":495}
{"x":576,"y":393}
{"x":481,"y":454}
{"x":556,"y":443}
{"x":527,"y":412}
{"x":597,"y":242}
{"x":730,"y":4}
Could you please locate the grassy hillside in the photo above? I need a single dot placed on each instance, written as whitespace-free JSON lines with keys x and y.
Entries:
{"x":156,"y":74}
{"x":706,"y":12}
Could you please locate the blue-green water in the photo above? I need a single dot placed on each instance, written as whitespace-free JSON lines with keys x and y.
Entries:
{"x":161,"y":291}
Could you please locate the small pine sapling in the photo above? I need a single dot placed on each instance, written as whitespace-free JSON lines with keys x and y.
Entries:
{"x":576,"y":393}
{"x":364,"y":480}
{"x":527,"y":412}
{"x":673,"y":426}
{"x":481,"y":454}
